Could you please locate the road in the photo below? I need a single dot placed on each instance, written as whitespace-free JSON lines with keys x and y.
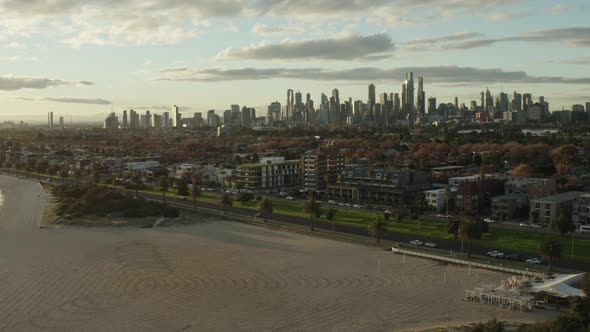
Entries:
{"x":444,"y":244}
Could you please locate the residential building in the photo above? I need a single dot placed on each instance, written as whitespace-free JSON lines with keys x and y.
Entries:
{"x":581,"y":210}
{"x":436,"y":199}
{"x":270,"y":174}
{"x":510,"y":206}
{"x":319,"y":166}
{"x":532,"y":187}
{"x":475,"y":197}
{"x":549,"y":208}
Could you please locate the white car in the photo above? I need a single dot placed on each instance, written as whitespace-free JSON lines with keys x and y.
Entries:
{"x":535,"y":260}
{"x":333,"y":202}
{"x":489,"y":220}
{"x":496,"y":254}
{"x":431,"y":244}
{"x":536,"y":226}
{"x":387,"y":212}
{"x":358,"y":206}
{"x":523,"y":224}
{"x":416,"y":242}
{"x":289,"y":198}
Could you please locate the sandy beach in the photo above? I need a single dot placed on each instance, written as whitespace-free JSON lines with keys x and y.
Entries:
{"x":215,"y":276}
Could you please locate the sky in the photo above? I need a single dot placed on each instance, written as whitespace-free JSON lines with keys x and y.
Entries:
{"x":83,"y":58}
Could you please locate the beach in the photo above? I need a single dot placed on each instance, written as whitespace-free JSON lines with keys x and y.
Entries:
{"x":216,"y":276}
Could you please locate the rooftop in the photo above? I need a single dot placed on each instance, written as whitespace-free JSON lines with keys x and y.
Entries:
{"x":563,"y":197}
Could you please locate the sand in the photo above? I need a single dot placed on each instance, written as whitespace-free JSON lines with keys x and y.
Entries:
{"x":215,"y":276}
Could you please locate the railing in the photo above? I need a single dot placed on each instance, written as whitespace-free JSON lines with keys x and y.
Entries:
{"x":464,"y":262}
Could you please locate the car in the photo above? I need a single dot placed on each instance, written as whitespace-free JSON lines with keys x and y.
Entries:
{"x":341,"y":204}
{"x":387,"y":212}
{"x":290,"y":198}
{"x":524,"y":224}
{"x":514,"y":257}
{"x":535,"y":260}
{"x":446,"y":216}
{"x":495,"y":254}
{"x":258,"y":215}
{"x":536,"y":226}
{"x":348,"y":204}
{"x":333,"y":202}
{"x":358,"y":206}
{"x":416,"y":242}
{"x":431,"y":244}
{"x":489,"y":220}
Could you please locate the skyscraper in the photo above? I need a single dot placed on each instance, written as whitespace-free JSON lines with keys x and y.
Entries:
{"x":588,"y":107}
{"x":177,"y":117}
{"x":489,"y":104}
{"x":125,"y":120}
{"x":166,"y":119}
{"x":431,"y":105}
{"x":61,"y":123}
{"x":421,"y":104}
{"x":456,"y":102}
{"x":404,"y":110}
{"x":527,"y":101}
{"x":516,"y":101}
{"x":396,"y":106}
{"x":50,"y":120}
{"x":290,"y":106}
{"x":132,"y":119}
{"x":409,"y":92}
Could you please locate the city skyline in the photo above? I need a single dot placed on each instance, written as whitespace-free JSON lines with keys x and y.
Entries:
{"x":61,"y":57}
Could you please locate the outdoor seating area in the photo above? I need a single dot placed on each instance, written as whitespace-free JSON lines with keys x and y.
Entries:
{"x":525,"y":293}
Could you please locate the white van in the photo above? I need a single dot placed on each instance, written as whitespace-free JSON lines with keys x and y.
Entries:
{"x":585,"y":229}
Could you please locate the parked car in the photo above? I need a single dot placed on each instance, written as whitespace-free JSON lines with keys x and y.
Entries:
{"x":431,"y":244}
{"x":333,"y":202}
{"x":536,"y":226}
{"x":535,"y":260}
{"x":387,"y":212}
{"x":514,"y":257}
{"x":446,"y":216}
{"x":524,"y":224}
{"x":358,"y":206}
{"x":495,"y":254}
{"x":416,"y":243}
{"x":490,"y":220}
{"x":290,"y":198}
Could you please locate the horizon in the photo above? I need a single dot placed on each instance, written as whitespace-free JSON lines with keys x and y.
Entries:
{"x":82,"y":59}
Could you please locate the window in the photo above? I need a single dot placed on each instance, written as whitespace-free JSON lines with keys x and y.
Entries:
{"x":537,"y":205}
{"x":548,"y":206}
{"x":547,"y":213}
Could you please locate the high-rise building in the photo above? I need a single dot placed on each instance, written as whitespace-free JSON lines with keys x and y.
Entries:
{"x":290,"y":107}
{"x":473,"y":105}
{"x":125,"y":120}
{"x":527,"y":101}
{"x":456,"y":102}
{"x":235,"y":108}
{"x":298,"y":101}
{"x":274,"y":112}
{"x":489,"y":104}
{"x":516,"y":101}
{"x":409,"y":92}
{"x":148,"y":119}
{"x":431,"y":105}
{"x":320,"y":167}
{"x":133,"y":119}
{"x":227,"y":118}
{"x":588,"y":107}
{"x":50,"y":120}
{"x":421,"y":103}
{"x":404,"y":110}
{"x":166,"y":120}
{"x":396,"y":106}
{"x":248,"y":117}
{"x":177,"y":117}
{"x":61,"y":123}
{"x":483,"y":101}
{"x":212,"y":119}
{"x":111,"y":121}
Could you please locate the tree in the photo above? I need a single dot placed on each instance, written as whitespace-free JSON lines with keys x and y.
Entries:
{"x":469,"y":230}
{"x":563,"y":224}
{"x":137,"y":183}
{"x":182,"y":188}
{"x":195,"y":193}
{"x":163,"y":184}
{"x":523,"y":170}
{"x":331,"y":214}
{"x":226,"y":201}
{"x":313,"y":208}
{"x":453,"y":227}
{"x":376,"y":228}
{"x":534,"y":216}
{"x":265,"y":207}
{"x":245,"y":197}
{"x":550,"y":249}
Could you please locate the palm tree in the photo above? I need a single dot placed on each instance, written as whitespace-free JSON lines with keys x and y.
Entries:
{"x":226,"y":202}
{"x":550,"y":249}
{"x":264,"y":207}
{"x":469,"y":230}
{"x":313,"y":208}
{"x":195,"y":193}
{"x":163,"y":183}
{"x":376,"y":228}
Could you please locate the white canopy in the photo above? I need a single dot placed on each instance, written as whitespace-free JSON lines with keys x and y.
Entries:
{"x":560,"y":286}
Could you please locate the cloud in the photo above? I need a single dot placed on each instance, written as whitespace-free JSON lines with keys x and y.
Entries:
{"x":580,"y":61}
{"x":96,"y":101}
{"x":507,"y":15}
{"x":12,"y":83}
{"x":157,"y":107}
{"x":264,"y":29}
{"x":432,"y":74}
{"x":557,"y":9}
{"x":18,"y":58}
{"x":351,"y":47}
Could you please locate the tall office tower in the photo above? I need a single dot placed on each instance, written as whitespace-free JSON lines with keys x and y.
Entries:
{"x":155,"y":121}
{"x":197,"y":119}
{"x":333,"y":110}
{"x":111,"y":121}
{"x":372,"y":93}
{"x":588,"y":107}
{"x":142,"y":121}
{"x":166,"y":120}
{"x":410,"y":92}
{"x":431,"y":105}
{"x":61,"y":123}
{"x":148,"y":119}
{"x":132,"y":119}
{"x":50,"y":120}
{"x":502,"y":102}
{"x":544,"y":103}
{"x":177,"y":117}
{"x":396,"y":106}
{"x":483,"y":102}
{"x":421,"y":98}
{"x":235,"y":108}
{"x":211,"y":118}
{"x":274,"y":112}
{"x":404,"y":110}
{"x":298,"y":101}
{"x":248,"y":117}
{"x":289,"y":107}
{"x":516,"y":101}
{"x":357,"y":111}
{"x":489,"y":105}
{"x":227,"y":118}
{"x":456,"y":102}
{"x":527,"y":101}
{"x":371,"y":103}
{"x":125,"y":120}
{"x":473,"y":105}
